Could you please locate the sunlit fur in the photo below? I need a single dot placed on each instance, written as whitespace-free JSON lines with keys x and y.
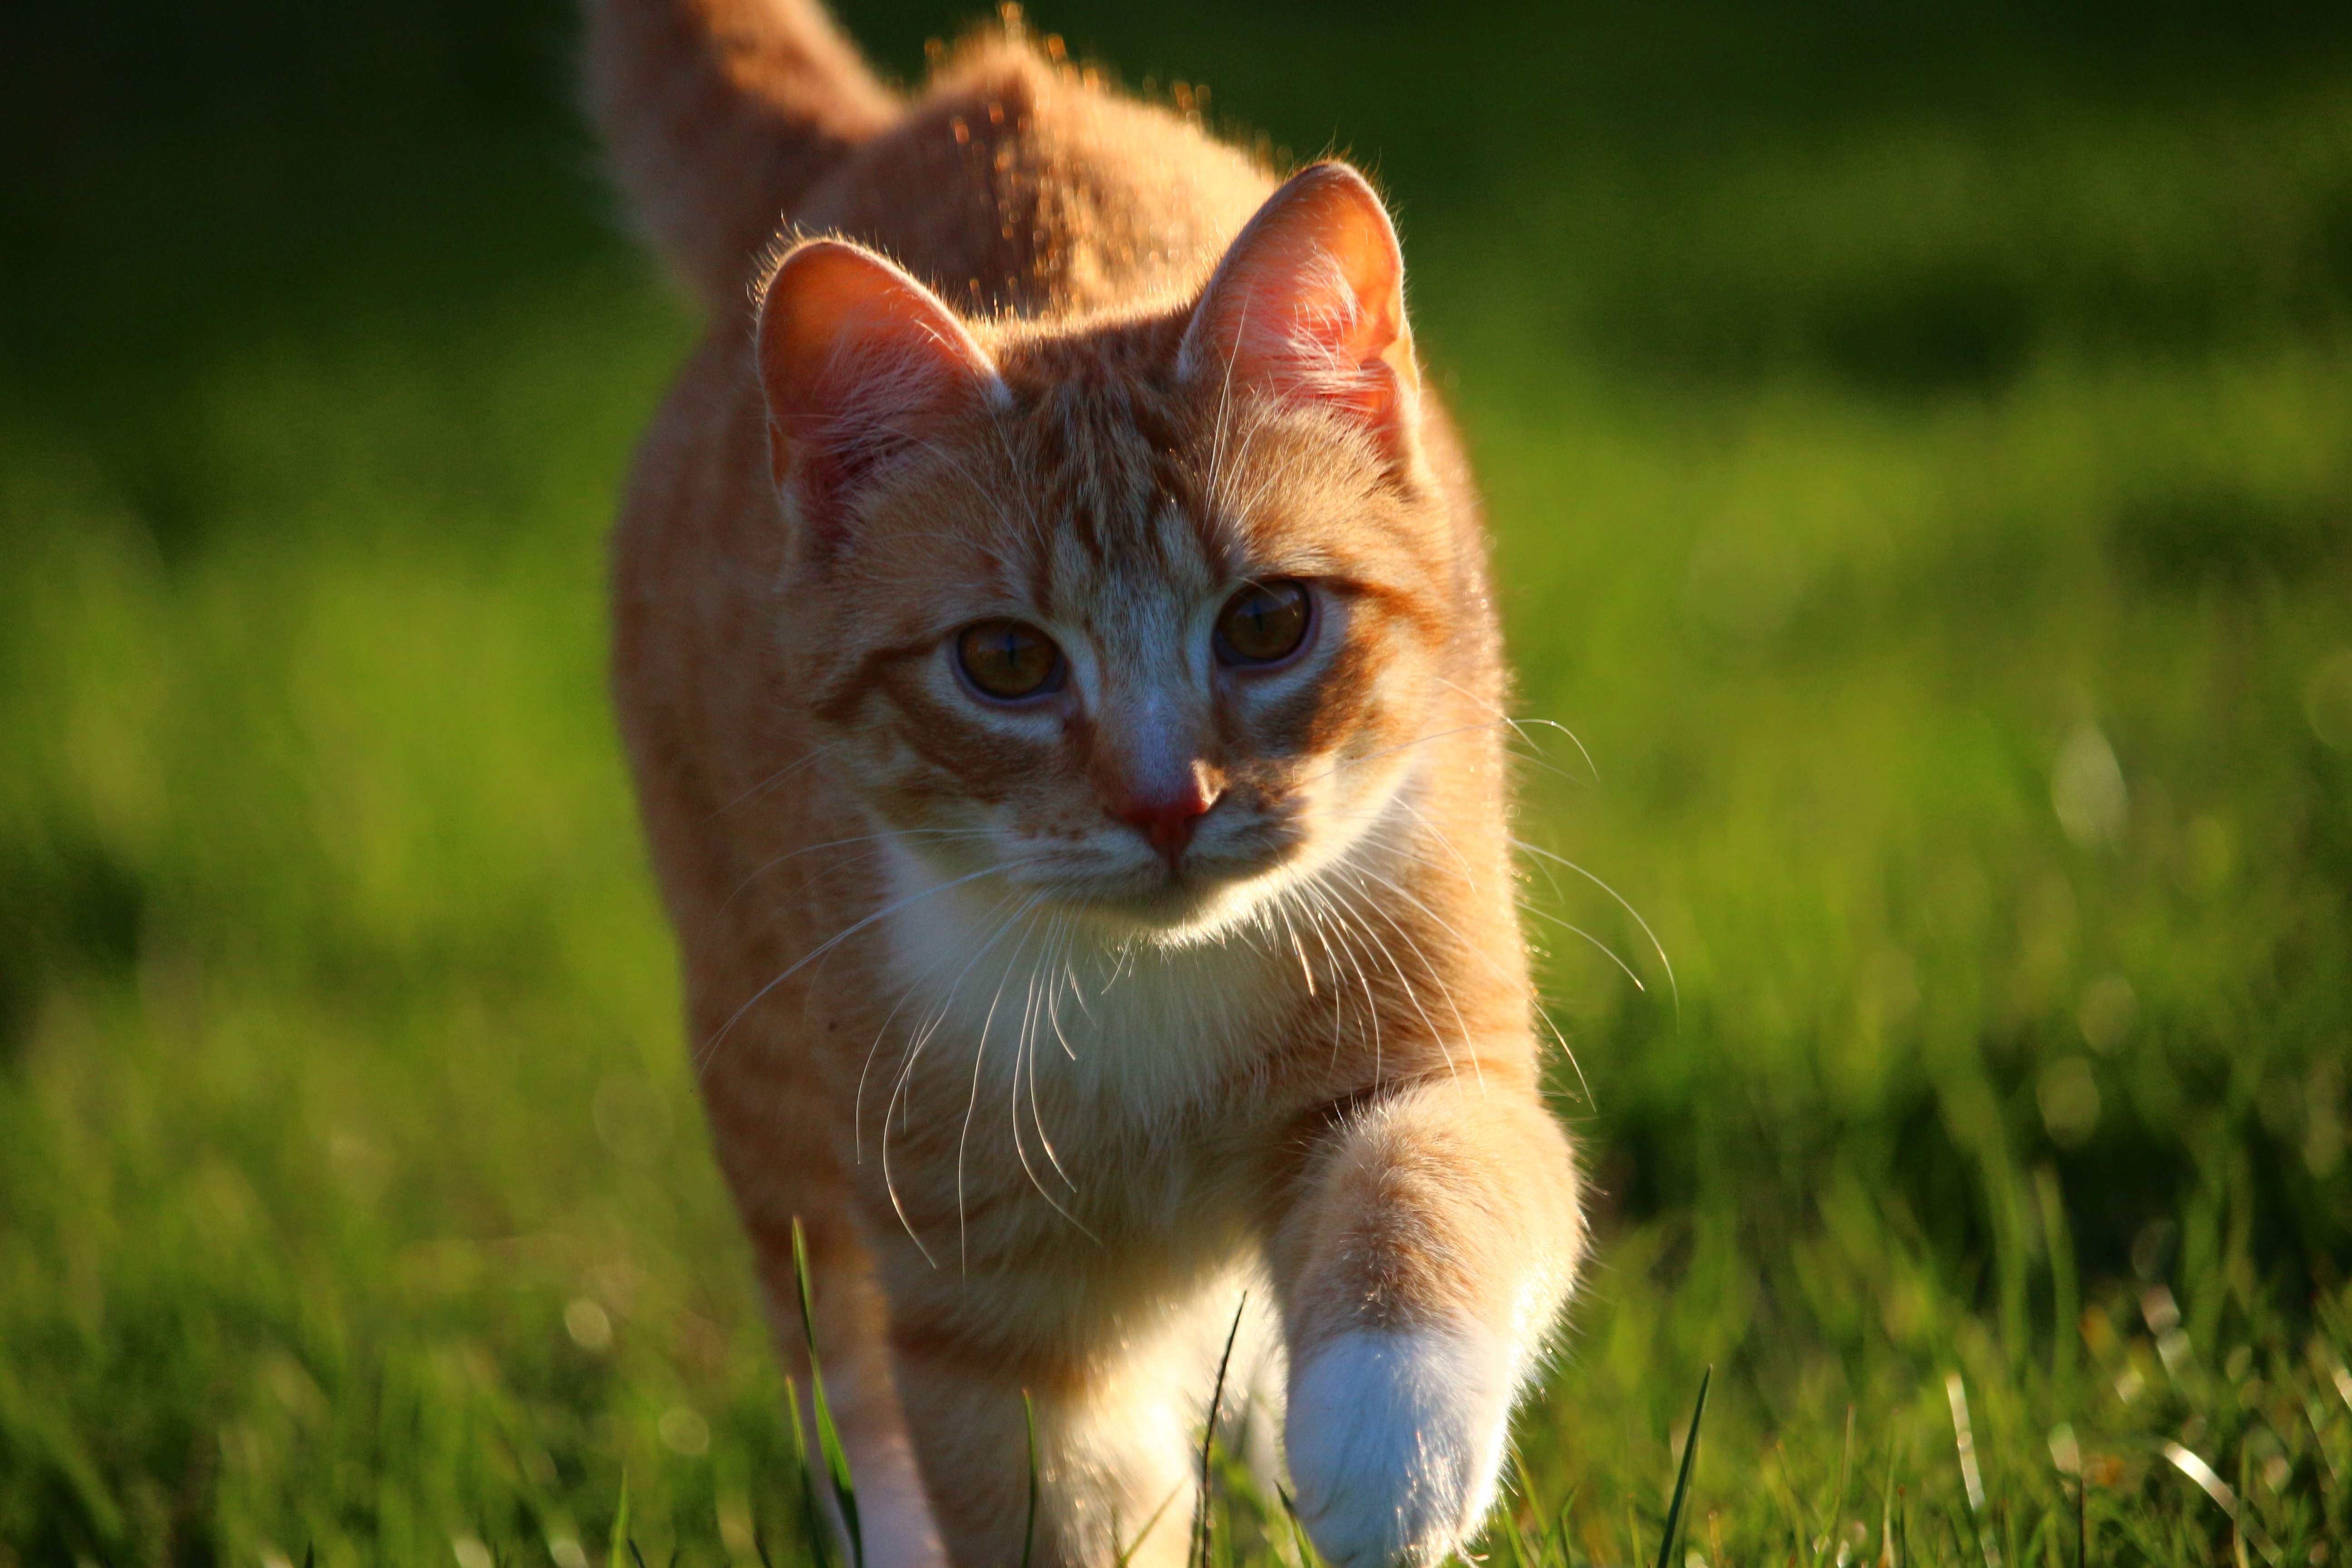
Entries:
{"x":1047,"y":1099}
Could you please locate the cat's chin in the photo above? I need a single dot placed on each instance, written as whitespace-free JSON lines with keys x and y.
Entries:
{"x":1175,"y":916}
{"x":1179,"y":912}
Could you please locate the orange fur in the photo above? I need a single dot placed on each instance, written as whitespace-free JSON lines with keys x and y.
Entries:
{"x":1058,"y":1021}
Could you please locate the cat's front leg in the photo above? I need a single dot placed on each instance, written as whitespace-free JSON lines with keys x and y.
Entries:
{"x":1433,"y":1240}
{"x":1114,"y":1412}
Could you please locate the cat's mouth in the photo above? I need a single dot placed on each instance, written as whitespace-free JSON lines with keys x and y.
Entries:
{"x":1182,"y":911}
{"x":1213,"y":883}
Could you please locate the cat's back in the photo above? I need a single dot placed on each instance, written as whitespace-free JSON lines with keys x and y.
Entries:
{"x":1019,"y":183}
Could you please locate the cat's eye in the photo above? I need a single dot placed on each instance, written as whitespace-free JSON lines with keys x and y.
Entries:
{"x":1009,"y":660}
{"x":1264,"y":623}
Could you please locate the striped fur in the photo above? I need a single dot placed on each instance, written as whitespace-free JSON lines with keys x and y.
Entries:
{"x":1048,"y":1097}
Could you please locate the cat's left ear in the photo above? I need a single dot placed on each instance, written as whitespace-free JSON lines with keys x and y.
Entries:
{"x":860,"y":363}
{"x":1309,"y":306}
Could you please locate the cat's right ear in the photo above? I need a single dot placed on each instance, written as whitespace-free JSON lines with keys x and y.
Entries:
{"x":1307,"y":307}
{"x":860,"y":363}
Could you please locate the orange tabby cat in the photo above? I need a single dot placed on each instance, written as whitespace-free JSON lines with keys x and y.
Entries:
{"x":1056,"y":652}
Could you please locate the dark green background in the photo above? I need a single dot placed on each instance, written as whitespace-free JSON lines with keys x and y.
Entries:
{"x":1880,"y":405}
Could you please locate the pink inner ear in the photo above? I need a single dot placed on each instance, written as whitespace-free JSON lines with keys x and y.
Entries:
{"x":1308,"y":304}
{"x":859,"y":363}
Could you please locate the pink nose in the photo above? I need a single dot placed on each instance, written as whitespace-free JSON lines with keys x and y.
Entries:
{"x":1167,"y":823}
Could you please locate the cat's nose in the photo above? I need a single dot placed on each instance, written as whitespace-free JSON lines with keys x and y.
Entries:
{"x":1167,"y":819}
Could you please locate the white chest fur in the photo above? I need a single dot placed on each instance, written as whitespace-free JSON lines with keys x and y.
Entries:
{"x":1027,"y":996}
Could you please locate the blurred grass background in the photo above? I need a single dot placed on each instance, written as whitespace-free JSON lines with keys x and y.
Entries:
{"x":1920,"y":445}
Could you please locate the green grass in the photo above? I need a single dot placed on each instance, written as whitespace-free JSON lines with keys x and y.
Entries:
{"x":1938,"y":533}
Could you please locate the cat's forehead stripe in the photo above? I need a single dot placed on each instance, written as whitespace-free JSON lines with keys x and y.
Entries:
{"x":1115,"y":492}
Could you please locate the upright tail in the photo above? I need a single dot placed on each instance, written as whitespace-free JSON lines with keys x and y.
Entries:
{"x":719,"y":115}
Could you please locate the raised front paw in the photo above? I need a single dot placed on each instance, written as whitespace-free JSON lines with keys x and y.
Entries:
{"x":1393,"y":1440}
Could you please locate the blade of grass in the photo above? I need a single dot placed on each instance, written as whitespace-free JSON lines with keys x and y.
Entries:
{"x":1156,"y":1514}
{"x":2081,"y":1522}
{"x":1209,"y":1437}
{"x":2214,"y":1486}
{"x":2237,"y":1527}
{"x":1787,"y":1494}
{"x":1952,"y":1529}
{"x":1964,"y":1442}
{"x":1510,"y":1524}
{"x":811,"y":1513}
{"x":1886,"y":1513}
{"x":1828,"y":1536}
{"x":1306,"y":1558}
{"x":1527,"y":1484}
{"x":1029,"y":1528}
{"x":1682,"y":1477}
{"x":828,"y":1440}
{"x":2065,"y":1300}
{"x":620,"y":1538}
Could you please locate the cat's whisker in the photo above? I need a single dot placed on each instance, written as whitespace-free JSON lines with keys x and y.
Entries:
{"x":1020,"y":1066}
{"x":1321,"y":894}
{"x":1535,"y":995}
{"x":1298,"y":898}
{"x":1409,"y":852}
{"x":1306,"y":970}
{"x":1404,"y":981}
{"x":902,"y":1078}
{"x":1315,"y":925}
{"x":1021,"y":1048}
{"x":933,"y":835}
{"x":906,"y":994}
{"x":979,"y":1056}
{"x":1126,"y":960}
{"x":1342,"y":764}
{"x":1221,"y":428}
{"x":1067,"y":980}
{"x":1519,"y":726}
{"x":1027,"y":1057}
{"x":1062,"y":967}
{"x":1521,"y":983}
{"x":1655,"y":945}
{"x":865,"y":1071}
{"x":1053,"y":965}
{"x":903,"y":1082}
{"x":1536,"y":999}
{"x":1468,"y":876}
{"x":1543,"y":1010}
{"x":1368,"y":1012}
{"x":1599,"y":946}
{"x":772,"y":780}
{"x":1536,"y":910}
{"x":1073,"y":985}
{"x":1443,"y":924}
{"x":710,"y":1048}
{"x":1274,"y":479}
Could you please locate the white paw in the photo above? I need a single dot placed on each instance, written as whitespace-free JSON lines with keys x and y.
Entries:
{"x":1392,"y":1440}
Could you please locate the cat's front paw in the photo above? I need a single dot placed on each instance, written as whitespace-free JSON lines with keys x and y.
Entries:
{"x":1393,"y":1439}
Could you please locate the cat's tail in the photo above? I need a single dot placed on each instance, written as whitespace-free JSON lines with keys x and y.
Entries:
{"x":719,"y":115}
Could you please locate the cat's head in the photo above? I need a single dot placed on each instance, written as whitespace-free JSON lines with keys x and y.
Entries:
{"x":1141,"y":618}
